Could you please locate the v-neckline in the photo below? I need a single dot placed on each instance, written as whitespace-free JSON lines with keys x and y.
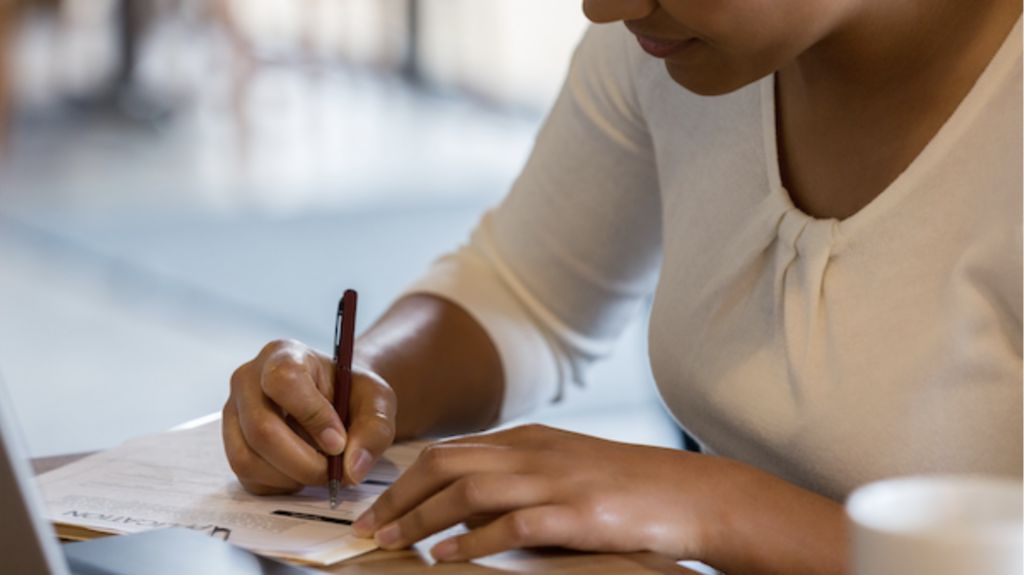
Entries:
{"x":972,"y":104}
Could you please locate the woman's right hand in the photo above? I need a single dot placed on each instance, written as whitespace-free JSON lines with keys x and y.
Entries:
{"x":279,"y":425}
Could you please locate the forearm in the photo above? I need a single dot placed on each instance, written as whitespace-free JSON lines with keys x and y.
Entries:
{"x":767,"y":525}
{"x":440,"y":362}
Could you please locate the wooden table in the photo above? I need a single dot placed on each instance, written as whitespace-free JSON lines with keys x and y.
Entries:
{"x":417,"y":559}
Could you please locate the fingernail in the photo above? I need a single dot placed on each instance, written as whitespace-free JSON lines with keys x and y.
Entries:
{"x":388,"y":535}
{"x":361,"y":463}
{"x":364,"y":524}
{"x":332,"y":441}
{"x":445,"y":550}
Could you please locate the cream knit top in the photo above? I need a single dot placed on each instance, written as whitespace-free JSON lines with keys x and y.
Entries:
{"x":829,"y":353}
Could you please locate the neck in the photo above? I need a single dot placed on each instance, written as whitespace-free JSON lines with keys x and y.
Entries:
{"x":885,"y":46}
{"x":856,"y":109}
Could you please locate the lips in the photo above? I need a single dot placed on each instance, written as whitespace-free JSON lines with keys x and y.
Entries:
{"x":661,"y":48}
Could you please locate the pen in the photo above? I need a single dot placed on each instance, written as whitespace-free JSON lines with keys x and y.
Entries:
{"x":344,"y":338}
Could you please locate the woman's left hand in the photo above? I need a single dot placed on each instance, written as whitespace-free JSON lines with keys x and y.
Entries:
{"x":549,"y":487}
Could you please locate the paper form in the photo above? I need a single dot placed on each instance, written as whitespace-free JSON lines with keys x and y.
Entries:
{"x":182,"y":479}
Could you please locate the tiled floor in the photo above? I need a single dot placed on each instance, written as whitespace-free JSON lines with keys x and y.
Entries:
{"x":139,"y":265}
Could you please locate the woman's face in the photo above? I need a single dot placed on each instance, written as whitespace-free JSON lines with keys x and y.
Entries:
{"x":717,"y":46}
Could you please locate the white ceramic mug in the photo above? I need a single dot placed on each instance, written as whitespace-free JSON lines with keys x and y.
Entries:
{"x":944,"y":525}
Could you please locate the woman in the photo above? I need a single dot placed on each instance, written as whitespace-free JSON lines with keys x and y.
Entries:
{"x":825,"y":197}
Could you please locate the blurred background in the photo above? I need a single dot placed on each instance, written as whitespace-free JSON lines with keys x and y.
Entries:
{"x":182,"y":181}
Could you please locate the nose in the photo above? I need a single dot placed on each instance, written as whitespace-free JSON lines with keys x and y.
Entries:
{"x":601,"y":11}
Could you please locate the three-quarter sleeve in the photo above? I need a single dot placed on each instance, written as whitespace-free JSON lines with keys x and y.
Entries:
{"x":557,"y":270}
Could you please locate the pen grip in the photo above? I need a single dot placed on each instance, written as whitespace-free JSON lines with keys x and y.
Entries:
{"x":335,"y":467}
{"x":342,"y":389}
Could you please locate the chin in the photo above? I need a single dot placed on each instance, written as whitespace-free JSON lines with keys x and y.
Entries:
{"x":705,"y":84}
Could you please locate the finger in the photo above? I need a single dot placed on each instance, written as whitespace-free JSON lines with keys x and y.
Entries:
{"x":437,"y":466}
{"x":546,"y":526}
{"x":478,"y":521}
{"x":300,"y":382}
{"x":372,"y":410}
{"x":254,"y":473}
{"x":265,"y":431}
{"x":465,"y":498}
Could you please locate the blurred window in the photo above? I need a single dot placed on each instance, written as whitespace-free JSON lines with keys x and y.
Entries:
{"x":514,"y":52}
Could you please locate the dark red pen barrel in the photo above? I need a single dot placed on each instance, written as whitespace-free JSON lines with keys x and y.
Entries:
{"x":342,"y":391}
{"x":345,"y":340}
